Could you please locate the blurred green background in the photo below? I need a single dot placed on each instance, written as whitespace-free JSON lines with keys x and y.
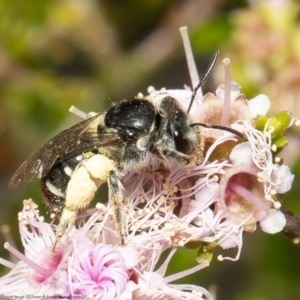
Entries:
{"x":89,"y":53}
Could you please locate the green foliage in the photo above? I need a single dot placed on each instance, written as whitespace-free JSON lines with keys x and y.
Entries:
{"x":215,"y":31}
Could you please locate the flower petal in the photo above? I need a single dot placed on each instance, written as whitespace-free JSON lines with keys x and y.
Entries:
{"x":241,"y":154}
{"x":285,"y":177}
{"x":259,"y":105}
{"x":274,"y":222}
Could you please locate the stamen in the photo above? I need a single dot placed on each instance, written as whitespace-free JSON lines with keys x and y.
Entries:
{"x":163,"y":268}
{"x":294,"y":121}
{"x":5,"y":230}
{"x":151,"y":89}
{"x":74,"y":110}
{"x":187,"y":272}
{"x":296,"y":241}
{"x":239,"y":242}
{"x":190,"y":59}
{"x":6,"y":263}
{"x":277,"y":159}
{"x":274,"y":148}
{"x":45,"y":273}
{"x":277,"y":205}
{"x":59,"y":292}
{"x":227,"y":93}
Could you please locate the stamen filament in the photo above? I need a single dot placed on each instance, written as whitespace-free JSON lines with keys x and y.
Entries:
{"x":185,"y":273}
{"x":74,"y":110}
{"x":45,"y":273}
{"x":190,"y":59}
{"x":226,"y":104}
{"x":6,"y":263}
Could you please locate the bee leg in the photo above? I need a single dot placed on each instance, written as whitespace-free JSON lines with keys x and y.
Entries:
{"x":80,"y":191}
{"x":167,"y":154}
{"x":67,"y":219}
{"x":176,"y":155}
{"x":115,"y":189}
{"x":55,"y":244}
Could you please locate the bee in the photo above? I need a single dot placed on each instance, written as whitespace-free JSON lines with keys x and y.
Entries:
{"x":100,"y":148}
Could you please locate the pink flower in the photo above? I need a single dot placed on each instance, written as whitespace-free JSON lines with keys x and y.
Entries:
{"x":77,"y":267}
{"x":98,"y":271}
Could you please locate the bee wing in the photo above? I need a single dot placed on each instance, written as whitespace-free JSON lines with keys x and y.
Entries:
{"x":90,"y":141}
{"x":68,"y":143}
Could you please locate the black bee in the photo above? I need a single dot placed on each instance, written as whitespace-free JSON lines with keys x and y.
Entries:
{"x":73,"y":163}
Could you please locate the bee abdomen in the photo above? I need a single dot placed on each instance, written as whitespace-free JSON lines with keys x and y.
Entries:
{"x":54,"y":185}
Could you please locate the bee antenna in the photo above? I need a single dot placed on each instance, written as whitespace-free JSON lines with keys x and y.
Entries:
{"x":203,"y":80}
{"x":237,"y":133}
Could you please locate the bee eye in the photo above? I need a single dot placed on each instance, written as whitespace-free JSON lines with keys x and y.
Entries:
{"x":182,"y":144}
